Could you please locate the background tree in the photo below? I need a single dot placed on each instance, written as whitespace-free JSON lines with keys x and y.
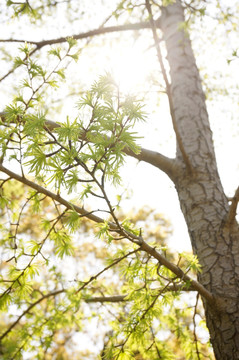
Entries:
{"x":70,"y":168}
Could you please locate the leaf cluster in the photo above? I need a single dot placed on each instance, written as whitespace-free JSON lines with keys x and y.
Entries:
{"x":88,"y":148}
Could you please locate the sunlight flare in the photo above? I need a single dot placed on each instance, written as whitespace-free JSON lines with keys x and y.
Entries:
{"x":130,"y":68}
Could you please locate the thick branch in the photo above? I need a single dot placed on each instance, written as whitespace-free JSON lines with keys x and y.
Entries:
{"x":164,"y":163}
{"x":167,"y":165}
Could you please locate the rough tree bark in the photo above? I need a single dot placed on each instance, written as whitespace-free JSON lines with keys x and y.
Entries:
{"x":211,"y":225}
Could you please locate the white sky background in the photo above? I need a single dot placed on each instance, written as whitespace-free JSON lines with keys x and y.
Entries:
{"x":131,"y":61}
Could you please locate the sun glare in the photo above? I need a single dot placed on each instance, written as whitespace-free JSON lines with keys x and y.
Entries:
{"x":130,"y":68}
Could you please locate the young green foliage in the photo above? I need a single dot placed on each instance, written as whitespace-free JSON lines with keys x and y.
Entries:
{"x":58,"y":271}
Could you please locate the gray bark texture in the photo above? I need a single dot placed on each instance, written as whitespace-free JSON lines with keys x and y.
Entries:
{"x":214,"y":239}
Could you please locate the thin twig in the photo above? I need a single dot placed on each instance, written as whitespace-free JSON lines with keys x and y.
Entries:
{"x":106,"y":268}
{"x":29,"y":309}
{"x":123,"y":298}
{"x":194,"y":328}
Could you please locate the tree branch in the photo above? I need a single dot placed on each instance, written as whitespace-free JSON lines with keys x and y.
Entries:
{"x":120,"y":298}
{"x":178,"y":271}
{"x":54,"y":196}
{"x":100,"y":299}
{"x":103,"y":299}
{"x":233,"y":208}
{"x":136,"y":239}
{"x":91,"y":33}
{"x":100,"y":31}
{"x":57,"y":292}
{"x":29,"y":309}
{"x":164,"y":163}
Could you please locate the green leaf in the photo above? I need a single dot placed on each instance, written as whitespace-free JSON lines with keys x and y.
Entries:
{"x":5,"y":301}
{"x":18,"y":62}
{"x":71,"y":42}
{"x":87,"y":190}
{"x":33,"y":270}
{"x":33,"y":246}
{"x":73,"y":220}
{"x":55,"y":52}
{"x":69,"y":130}
{"x":74,"y":56}
{"x":14,"y":112}
{"x":61,"y":73}
{"x":34,"y":124}
{"x":63,"y":243}
{"x":38,"y":160}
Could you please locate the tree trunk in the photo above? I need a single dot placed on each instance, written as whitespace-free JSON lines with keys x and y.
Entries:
{"x":202,"y":199}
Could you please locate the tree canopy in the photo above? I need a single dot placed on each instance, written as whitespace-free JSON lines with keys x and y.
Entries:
{"x":88,"y":92}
